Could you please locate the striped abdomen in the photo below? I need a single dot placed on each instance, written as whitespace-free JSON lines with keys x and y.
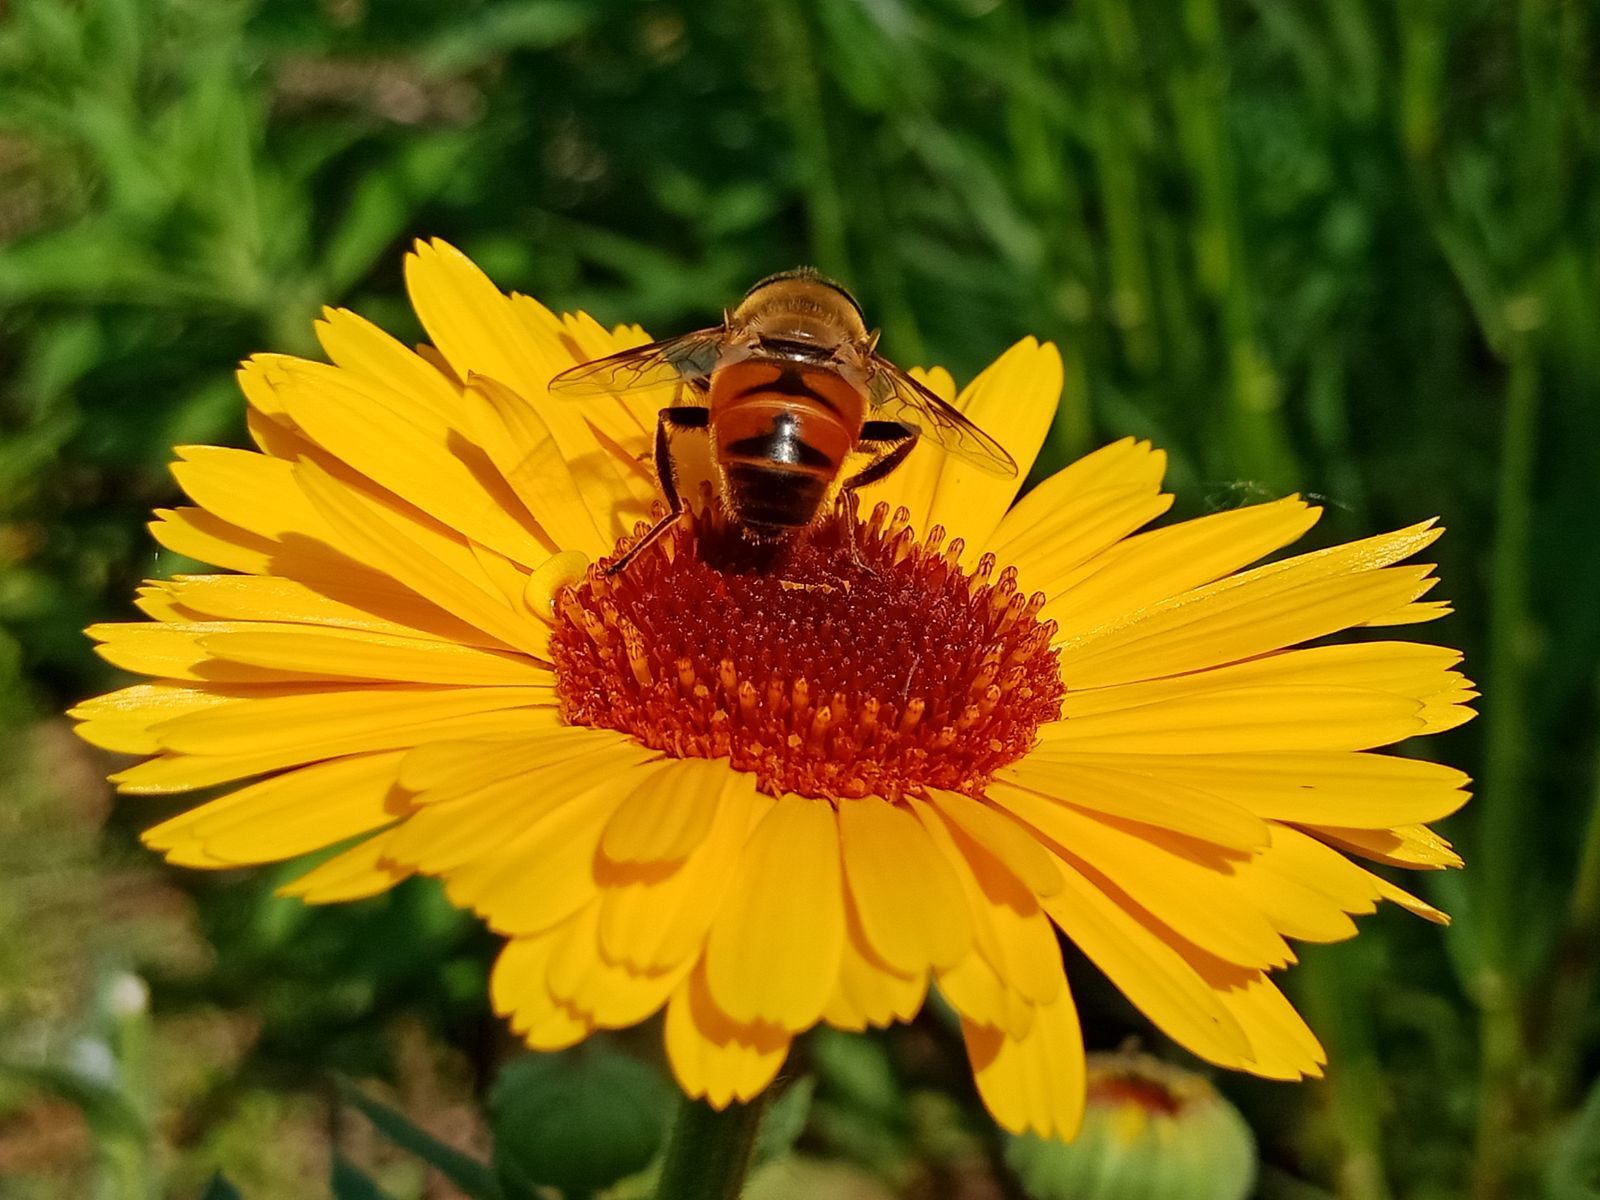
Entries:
{"x":782,"y":432}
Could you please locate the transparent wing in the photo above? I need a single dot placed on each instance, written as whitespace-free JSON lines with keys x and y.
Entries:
{"x":896,"y":396}
{"x":686,"y":359}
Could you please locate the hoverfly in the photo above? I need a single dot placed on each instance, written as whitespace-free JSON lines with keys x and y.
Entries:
{"x":789,"y":388}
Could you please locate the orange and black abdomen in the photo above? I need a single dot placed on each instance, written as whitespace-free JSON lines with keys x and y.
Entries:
{"x":782,"y":431}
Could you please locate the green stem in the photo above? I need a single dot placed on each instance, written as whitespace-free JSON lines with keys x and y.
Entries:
{"x":708,"y":1152}
{"x":1257,"y":428}
{"x":1575,"y":969}
{"x":1335,"y":990}
{"x":798,"y":79}
{"x":1503,"y":805}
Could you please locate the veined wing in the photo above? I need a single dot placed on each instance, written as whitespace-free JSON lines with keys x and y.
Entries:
{"x":687,"y":359}
{"x":898,"y":397}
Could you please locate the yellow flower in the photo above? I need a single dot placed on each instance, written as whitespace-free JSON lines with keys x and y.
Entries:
{"x":768,"y":799}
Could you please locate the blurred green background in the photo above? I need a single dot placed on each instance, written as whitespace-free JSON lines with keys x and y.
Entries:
{"x":1345,"y":247}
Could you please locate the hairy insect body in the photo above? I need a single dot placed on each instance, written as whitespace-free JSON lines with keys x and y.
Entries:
{"x":796,"y":401}
{"x":782,"y":433}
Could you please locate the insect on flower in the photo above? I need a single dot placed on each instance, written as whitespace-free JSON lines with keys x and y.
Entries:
{"x":790,"y":388}
{"x":752,"y":800}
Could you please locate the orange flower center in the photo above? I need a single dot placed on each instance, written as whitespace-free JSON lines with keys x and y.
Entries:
{"x":855,"y":662}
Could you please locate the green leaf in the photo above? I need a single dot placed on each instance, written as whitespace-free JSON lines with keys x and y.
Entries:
{"x":1572,"y":1171}
{"x":858,"y":1071}
{"x":785,"y":1121}
{"x":533,"y":24}
{"x":578,"y":1121}
{"x":470,"y":1176}
{"x":350,"y":1182}
{"x":384,"y":203}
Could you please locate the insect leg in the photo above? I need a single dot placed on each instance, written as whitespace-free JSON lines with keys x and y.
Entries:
{"x":685,"y":416}
{"x":896,"y":441}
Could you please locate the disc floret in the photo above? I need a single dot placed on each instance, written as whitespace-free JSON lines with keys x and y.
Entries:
{"x":860,"y":661}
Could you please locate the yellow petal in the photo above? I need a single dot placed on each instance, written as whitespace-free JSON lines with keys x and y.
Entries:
{"x":1418,"y":672}
{"x":249,"y":490}
{"x":122,"y":720}
{"x":1197,"y":897}
{"x":172,"y":651}
{"x":425,"y":462}
{"x":154,"y":600}
{"x":1035,"y":1083}
{"x":540,"y":876}
{"x":353,"y":654}
{"x":1249,"y":587}
{"x":361,"y":349}
{"x":292,"y":813}
{"x":1127,"y":474}
{"x":974,"y":988}
{"x":1151,"y":567}
{"x":1247,"y":719}
{"x":449,"y":770}
{"x":1128,"y":462}
{"x":1414,"y":846}
{"x":472,"y":824}
{"x":533,"y":464}
{"x":1305,"y":889}
{"x":517,"y":342}
{"x":1374,"y":791}
{"x":1013,"y":401}
{"x":1282,"y":1046}
{"x":195,"y":533}
{"x":1147,"y":969}
{"x":610,"y":995}
{"x":472,"y":322}
{"x":380,"y":607}
{"x":363,"y":870}
{"x":654,"y":919}
{"x":1198,"y":631}
{"x":182,"y":772}
{"x":773,"y":952}
{"x":870,"y":993}
{"x":519,"y":990}
{"x":429,"y":561}
{"x":332,"y":715}
{"x":1002,"y":836}
{"x":666,"y":818}
{"x":1415,"y":613}
{"x":1068,"y":532}
{"x":255,"y":381}
{"x":1119,"y":473}
{"x":1412,"y":904}
{"x":715,"y":1058}
{"x":1010,"y":931}
{"x":908,"y":900}
{"x":1056,"y":772}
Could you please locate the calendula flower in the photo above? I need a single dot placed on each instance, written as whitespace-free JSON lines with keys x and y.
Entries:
{"x":950,"y":726}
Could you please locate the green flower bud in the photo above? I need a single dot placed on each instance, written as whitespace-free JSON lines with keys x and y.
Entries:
{"x":1150,"y":1132}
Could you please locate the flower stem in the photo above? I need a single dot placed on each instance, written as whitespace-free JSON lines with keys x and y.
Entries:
{"x":1575,"y":968}
{"x":1500,"y":844}
{"x":708,"y":1152}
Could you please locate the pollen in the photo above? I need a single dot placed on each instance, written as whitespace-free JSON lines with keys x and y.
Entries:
{"x":860,"y":661}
